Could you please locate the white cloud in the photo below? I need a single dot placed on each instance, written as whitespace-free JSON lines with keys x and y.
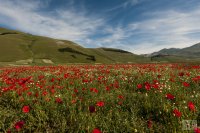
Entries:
{"x":62,"y":24}
{"x":124,"y":5}
{"x":168,"y":29}
{"x":164,"y":29}
{"x":131,"y":3}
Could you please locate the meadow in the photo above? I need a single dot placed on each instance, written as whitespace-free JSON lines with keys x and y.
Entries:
{"x":99,"y":98}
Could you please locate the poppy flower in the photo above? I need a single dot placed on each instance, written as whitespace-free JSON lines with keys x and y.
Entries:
{"x":170,"y":96}
{"x":177,"y":113}
{"x":8,"y":131}
{"x":149,"y":123}
{"x":59,"y":100}
{"x":186,"y":84}
{"x":120,"y":97}
{"x":181,"y":74}
{"x":100,"y":104}
{"x":120,"y":103}
{"x":92,"y":109}
{"x":26,"y":109}
{"x":96,"y":130}
{"x":19,"y":125}
{"x":197,"y":130}
{"x":73,"y":101}
{"x":147,"y":86}
{"x":94,"y":90}
{"x":139,"y":86}
{"x":191,"y":106}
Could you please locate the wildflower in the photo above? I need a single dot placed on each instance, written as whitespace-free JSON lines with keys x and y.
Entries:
{"x":73,"y":101}
{"x":170,"y":96}
{"x":149,"y":123}
{"x":100,"y":104}
{"x":196,"y":130}
{"x":96,"y":130}
{"x":181,"y":74}
{"x":120,"y":97}
{"x":177,"y":113}
{"x":52,"y":80}
{"x":186,"y":84}
{"x":58,"y":100}
{"x":19,"y":125}
{"x":139,"y":86}
{"x":26,"y":109}
{"x":92,"y":109}
{"x":191,"y":106}
{"x":94,"y":90}
{"x":147,"y":86}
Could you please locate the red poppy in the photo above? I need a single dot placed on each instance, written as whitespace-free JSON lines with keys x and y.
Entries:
{"x":59,"y":100}
{"x":149,"y":123}
{"x":76,"y":90}
{"x":177,"y":113}
{"x":147,"y":86}
{"x":52,"y":80}
{"x":107,"y":88}
{"x":94,"y":90}
{"x":26,"y":109}
{"x":186,"y":84}
{"x":139,"y":86}
{"x":120,"y":102}
{"x":100,"y":104}
{"x":191,"y":106}
{"x":197,"y":130}
{"x":19,"y":125}
{"x":92,"y":109}
{"x":44,"y":93}
{"x":73,"y":101}
{"x":181,"y":74}
{"x":170,"y":96}
{"x":96,"y":130}
{"x":120,"y":97}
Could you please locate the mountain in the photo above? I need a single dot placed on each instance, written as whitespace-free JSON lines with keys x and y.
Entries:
{"x":22,"y":48}
{"x":191,"y":53}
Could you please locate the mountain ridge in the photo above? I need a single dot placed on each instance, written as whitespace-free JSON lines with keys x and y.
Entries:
{"x":187,"y":51}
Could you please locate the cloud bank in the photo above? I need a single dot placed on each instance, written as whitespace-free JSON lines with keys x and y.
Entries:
{"x":63,"y":24}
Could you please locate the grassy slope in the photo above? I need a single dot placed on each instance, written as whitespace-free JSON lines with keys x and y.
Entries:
{"x":188,"y":54}
{"x":176,"y":59}
{"x":119,"y":57}
{"x":16,"y":46}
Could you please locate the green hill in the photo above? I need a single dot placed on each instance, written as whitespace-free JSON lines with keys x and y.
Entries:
{"x":22,"y":48}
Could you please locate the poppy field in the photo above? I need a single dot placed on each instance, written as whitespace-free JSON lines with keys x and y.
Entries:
{"x":99,"y":98}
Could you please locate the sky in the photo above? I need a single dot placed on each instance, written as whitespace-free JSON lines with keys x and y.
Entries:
{"x":138,"y":26}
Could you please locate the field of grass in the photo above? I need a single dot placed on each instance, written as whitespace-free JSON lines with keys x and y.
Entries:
{"x":100,"y":98}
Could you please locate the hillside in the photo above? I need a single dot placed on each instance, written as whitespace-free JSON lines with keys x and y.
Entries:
{"x":188,"y":54}
{"x":22,"y":48}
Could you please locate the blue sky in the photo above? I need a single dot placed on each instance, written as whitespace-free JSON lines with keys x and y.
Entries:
{"x":139,"y":26}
